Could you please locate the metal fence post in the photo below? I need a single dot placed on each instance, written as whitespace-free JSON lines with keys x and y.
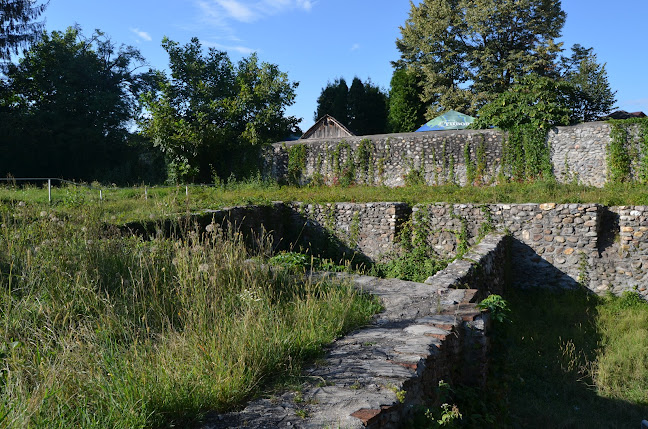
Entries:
{"x":100,"y":195}
{"x":49,"y":190}
{"x":145,"y":193}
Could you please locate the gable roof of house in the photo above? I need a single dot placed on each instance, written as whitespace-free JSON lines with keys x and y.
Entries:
{"x":622,"y":114}
{"x":327,"y":126}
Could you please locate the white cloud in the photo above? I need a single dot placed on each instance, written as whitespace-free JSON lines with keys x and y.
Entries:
{"x":142,"y":34}
{"x":355,"y":47}
{"x":243,"y":50}
{"x":238,"y":11}
{"x":247,"y":11}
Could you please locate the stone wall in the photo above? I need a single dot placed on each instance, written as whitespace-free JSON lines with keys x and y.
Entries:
{"x":578,"y":154}
{"x":558,"y":245}
{"x":376,"y":376}
{"x":369,"y":229}
{"x":623,"y":262}
{"x":439,"y":156}
{"x":561,"y":245}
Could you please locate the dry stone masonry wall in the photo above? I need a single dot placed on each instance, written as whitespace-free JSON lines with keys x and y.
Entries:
{"x":557,"y":245}
{"x":578,"y":153}
{"x":370,"y":228}
{"x":437,"y":156}
{"x":376,"y":377}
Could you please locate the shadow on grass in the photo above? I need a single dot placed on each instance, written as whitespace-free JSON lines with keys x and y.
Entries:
{"x":544,"y":360}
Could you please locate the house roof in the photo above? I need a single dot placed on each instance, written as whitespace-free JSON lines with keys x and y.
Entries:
{"x":622,"y":114}
{"x":327,"y":126}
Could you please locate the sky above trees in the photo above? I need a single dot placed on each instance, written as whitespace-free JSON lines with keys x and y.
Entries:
{"x":316,"y":41}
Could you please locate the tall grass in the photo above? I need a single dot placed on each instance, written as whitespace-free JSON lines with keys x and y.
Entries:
{"x":101,"y":330}
{"x":121,"y":205}
{"x":581,"y":356}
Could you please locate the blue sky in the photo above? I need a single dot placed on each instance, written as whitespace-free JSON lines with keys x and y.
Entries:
{"x":316,"y":41}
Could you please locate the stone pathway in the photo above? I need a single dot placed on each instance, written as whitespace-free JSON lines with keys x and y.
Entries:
{"x":378,"y":375}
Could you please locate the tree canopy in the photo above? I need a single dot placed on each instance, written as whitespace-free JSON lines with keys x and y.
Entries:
{"x":406,"y":110}
{"x":362,"y":108}
{"x":67,"y":108}
{"x":467,"y":52}
{"x":210,"y":116}
{"x":592,"y":95}
{"x":17,"y":28}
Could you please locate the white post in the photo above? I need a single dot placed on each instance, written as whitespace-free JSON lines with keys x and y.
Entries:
{"x":145,"y":193}
{"x":49,"y":190}
{"x":100,"y":195}
{"x":187,"y":190}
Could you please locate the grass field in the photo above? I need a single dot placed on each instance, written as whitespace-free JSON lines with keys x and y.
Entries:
{"x":120,"y":205}
{"x":574,"y":360}
{"x":101,"y":330}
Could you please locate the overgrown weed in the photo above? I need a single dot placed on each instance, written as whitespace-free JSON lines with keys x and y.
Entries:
{"x":104,"y":330}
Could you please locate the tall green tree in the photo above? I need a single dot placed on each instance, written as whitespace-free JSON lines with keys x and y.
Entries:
{"x":67,"y":109}
{"x":538,"y":101}
{"x":406,"y":109}
{"x":17,"y":26}
{"x":334,"y":101}
{"x":211,"y":117}
{"x":592,"y":96}
{"x":362,"y":108}
{"x":469,"y":51}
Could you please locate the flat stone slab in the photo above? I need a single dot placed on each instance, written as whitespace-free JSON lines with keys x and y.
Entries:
{"x":366,"y":375}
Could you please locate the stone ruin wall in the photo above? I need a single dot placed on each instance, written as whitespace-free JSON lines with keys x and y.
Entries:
{"x":432,"y":331}
{"x":578,"y":155}
{"x":560,"y":244}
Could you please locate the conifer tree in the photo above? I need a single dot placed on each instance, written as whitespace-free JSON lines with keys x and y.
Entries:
{"x":17,"y":29}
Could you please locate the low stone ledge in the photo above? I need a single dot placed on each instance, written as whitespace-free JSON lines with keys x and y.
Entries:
{"x":376,"y":376}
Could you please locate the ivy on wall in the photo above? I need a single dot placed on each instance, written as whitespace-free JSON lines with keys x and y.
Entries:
{"x":296,"y":163}
{"x":526,"y":154}
{"x":627,"y":160}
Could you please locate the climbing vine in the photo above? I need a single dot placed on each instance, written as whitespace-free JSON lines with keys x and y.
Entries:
{"x":618,"y":159}
{"x":354,"y":230}
{"x":480,"y":167}
{"x":471,"y":168}
{"x":624,"y":157}
{"x":462,"y":234}
{"x":344,"y":173}
{"x":296,"y":163}
{"x":318,"y":177}
{"x":526,"y":154}
{"x":415,"y":175}
{"x":488,"y":225}
{"x":418,"y":259}
{"x":365,"y":160}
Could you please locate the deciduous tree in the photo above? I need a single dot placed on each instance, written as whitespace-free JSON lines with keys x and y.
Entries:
{"x":469,"y":51}
{"x":68,"y":107}
{"x":406,"y":109}
{"x":210,"y":116}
